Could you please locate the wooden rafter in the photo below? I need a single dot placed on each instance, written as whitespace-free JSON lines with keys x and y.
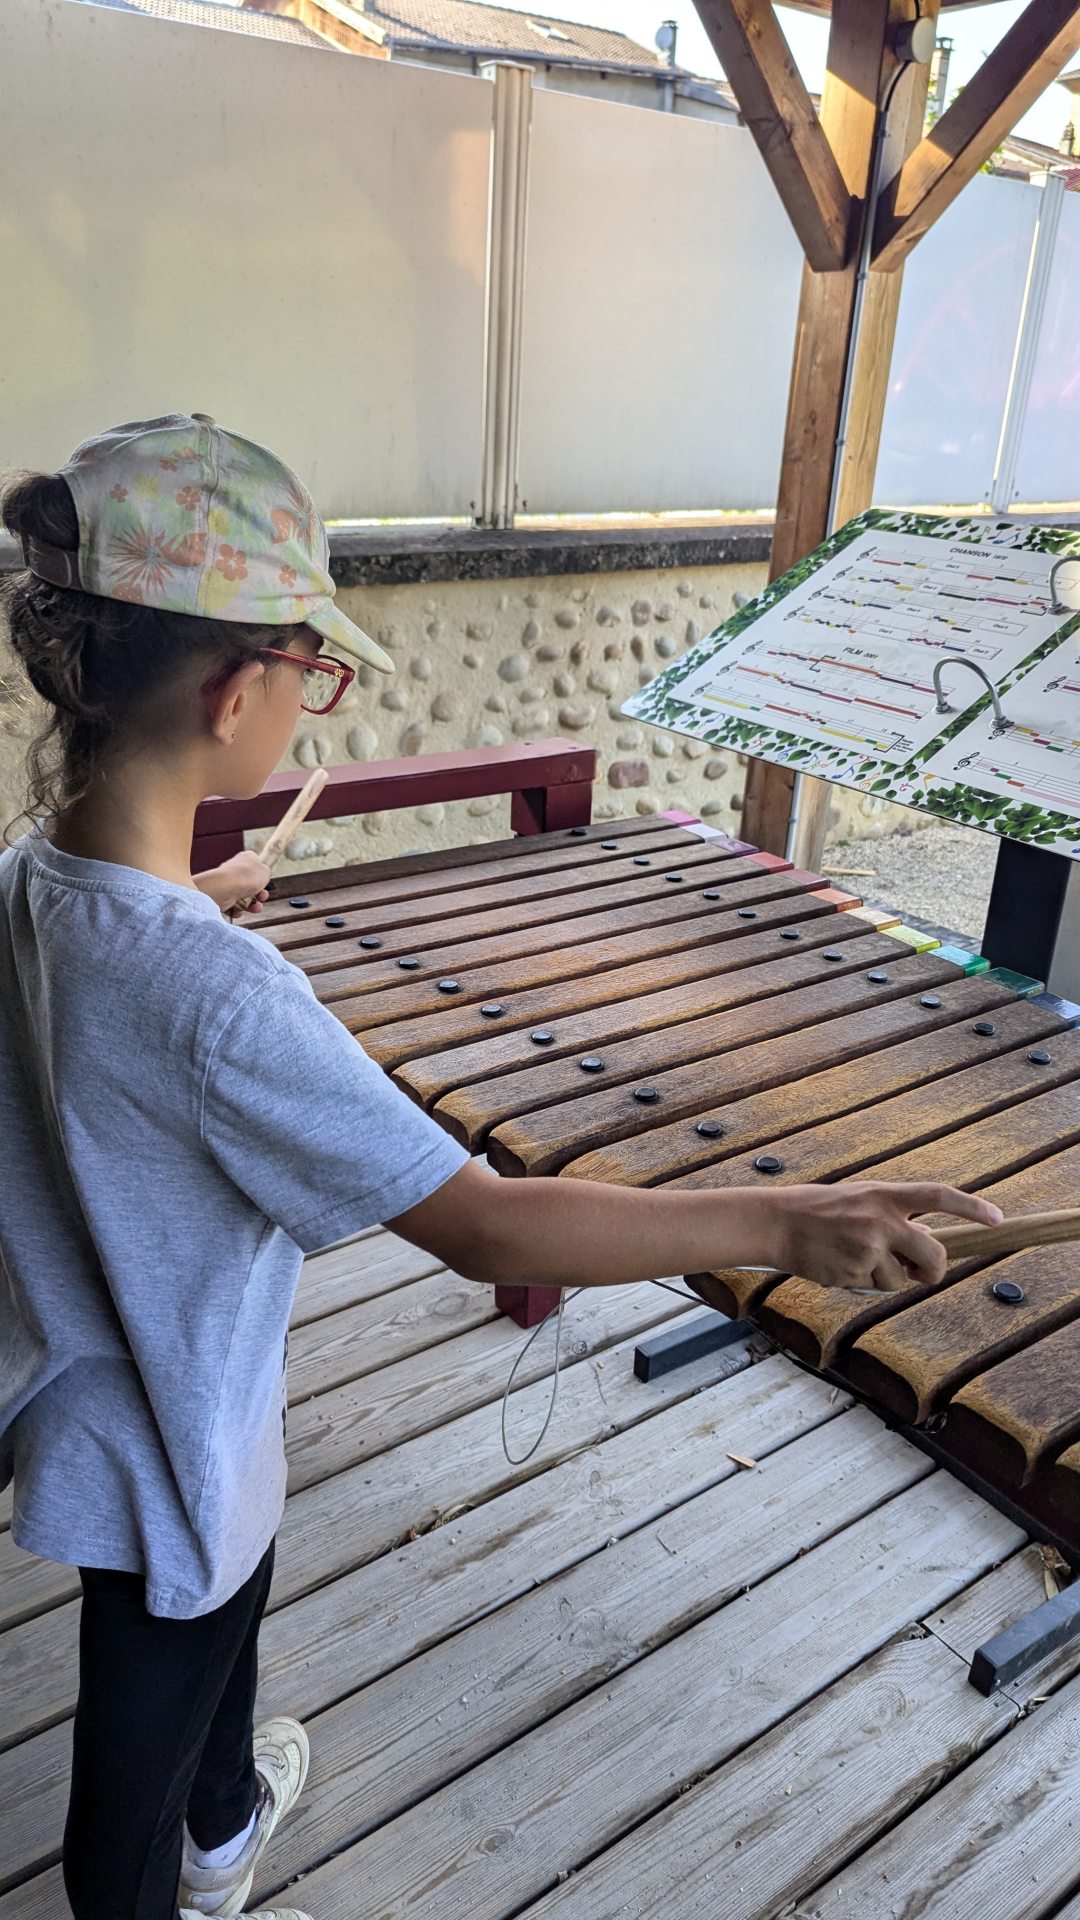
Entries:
{"x":779,"y":112}
{"x":1034,"y":51}
{"x":861,"y":68}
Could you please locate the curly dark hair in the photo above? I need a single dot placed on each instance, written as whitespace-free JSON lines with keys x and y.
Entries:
{"x":105,"y":668}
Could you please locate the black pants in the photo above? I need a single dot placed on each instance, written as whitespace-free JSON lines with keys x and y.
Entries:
{"x":162,"y":1734}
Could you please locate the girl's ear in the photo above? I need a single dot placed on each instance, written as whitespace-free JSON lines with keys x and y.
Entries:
{"x":226,"y":700}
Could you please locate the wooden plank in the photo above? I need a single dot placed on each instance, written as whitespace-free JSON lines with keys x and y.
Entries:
{"x":372,"y":914}
{"x":29,"y":1586}
{"x":519,"y":930}
{"x":1015,"y":1588}
{"x":317,"y":1538}
{"x":366,"y":1625}
{"x":915,"y":1361}
{"x":789,"y":968}
{"x":786,"y":1812}
{"x":522,"y":903}
{"x":357,"y":1270}
{"x":433,"y":1022}
{"x":544,"y":856}
{"x":400,"y":1402}
{"x":490,"y":1843}
{"x":346,"y":1424}
{"x":359,"y":1339}
{"x":387,"y":1748}
{"x":997,"y":1840}
{"x":640,"y":1151}
{"x":613,"y":939}
{"x":780,"y":997}
{"x":427,"y":1478}
{"x":773,"y":930}
{"x":1021,"y":1168}
{"x":1023,"y":1411}
{"x":749,"y":43}
{"x":1037,"y":47}
{"x":327,"y":879}
{"x":345,"y":1634}
{"x":846,"y":1146}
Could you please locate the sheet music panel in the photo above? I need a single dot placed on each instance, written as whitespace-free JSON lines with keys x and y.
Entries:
{"x":831,"y":671}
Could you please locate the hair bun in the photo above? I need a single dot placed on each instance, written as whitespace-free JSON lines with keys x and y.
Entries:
{"x":39,"y":506}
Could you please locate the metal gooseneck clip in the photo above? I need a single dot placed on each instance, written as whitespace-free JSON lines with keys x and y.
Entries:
{"x":1071,"y":603}
{"x":1001,"y":725}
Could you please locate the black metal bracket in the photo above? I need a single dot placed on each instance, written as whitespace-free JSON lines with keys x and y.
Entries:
{"x":1025,"y":909}
{"x":1030,"y":1639}
{"x":705,"y":1333}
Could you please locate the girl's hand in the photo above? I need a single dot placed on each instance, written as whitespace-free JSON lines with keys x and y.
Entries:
{"x":861,"y":1233}
{"x":238,"y":881}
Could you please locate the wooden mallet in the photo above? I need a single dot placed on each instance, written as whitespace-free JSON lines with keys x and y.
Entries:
{"x":1011,"y":1236}
{"x":275,"y":846}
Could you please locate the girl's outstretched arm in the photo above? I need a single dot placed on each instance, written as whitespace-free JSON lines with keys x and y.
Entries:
{"x":577,"y":1233}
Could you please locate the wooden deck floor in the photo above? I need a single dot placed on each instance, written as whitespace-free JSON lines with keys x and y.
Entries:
{"x":629,"y":1679}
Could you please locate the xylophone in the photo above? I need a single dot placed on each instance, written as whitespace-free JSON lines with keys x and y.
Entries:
{"x":651,"y":1001}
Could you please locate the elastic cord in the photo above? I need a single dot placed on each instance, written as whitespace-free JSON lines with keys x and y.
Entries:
{"x":520,"y":1460}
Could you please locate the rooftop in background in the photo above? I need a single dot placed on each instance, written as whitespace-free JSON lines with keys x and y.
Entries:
{"x":217,"y":13}
{"x":502,"y":31}
{"x":469,"y":33}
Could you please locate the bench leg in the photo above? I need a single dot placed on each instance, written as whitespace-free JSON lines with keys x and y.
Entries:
{"x":527,"y":1305}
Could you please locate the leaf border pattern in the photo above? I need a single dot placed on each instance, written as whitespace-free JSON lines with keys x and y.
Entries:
{"x":659,"y":703}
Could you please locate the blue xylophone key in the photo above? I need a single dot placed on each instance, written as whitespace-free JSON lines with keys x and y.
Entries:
{"x":960,"y":957}
{"x":1066,"y":1009}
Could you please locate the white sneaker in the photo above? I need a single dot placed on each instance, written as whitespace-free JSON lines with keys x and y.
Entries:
{"x":264,"y":1913}
{"x":282,"y":1756}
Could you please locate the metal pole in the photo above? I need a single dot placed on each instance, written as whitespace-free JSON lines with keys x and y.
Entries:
{"x":507,"y":227}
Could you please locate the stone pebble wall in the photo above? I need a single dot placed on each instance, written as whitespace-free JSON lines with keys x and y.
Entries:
{"x":487,"y":662}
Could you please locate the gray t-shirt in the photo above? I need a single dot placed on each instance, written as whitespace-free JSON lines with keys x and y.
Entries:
{"x":180,"y":1120}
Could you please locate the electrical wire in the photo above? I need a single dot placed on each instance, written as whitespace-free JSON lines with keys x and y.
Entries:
{"x":522,"y":1459}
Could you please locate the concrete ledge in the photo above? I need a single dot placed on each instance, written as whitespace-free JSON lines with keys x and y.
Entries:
{"x":399,"y":557}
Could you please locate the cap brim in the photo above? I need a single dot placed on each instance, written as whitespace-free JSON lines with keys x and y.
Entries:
{"x":331,"y":624}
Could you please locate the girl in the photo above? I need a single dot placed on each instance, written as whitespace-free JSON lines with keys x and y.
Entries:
{"x":182,"y":1122}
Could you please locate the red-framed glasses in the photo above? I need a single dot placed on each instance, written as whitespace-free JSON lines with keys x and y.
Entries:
{"x":324,"y":679}
{"x":323,"y":682}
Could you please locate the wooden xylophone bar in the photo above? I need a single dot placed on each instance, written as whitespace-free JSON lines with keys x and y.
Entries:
{"x":650,"y":1004}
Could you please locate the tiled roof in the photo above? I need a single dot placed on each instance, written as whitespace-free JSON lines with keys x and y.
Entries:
{"x":475,"y":28}
{"x":1019,"y":156}
{"x":210,"y":13}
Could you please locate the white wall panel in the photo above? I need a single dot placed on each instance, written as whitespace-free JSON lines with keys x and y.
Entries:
{"x":661,"y":289}
{"x":959,"y":310}
{"x":291,"y":240}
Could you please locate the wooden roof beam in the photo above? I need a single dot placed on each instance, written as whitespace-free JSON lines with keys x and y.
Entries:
{"x":773,"y":100}
{"x":1035,"y":50}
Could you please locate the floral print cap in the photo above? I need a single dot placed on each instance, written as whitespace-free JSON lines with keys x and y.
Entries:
{"x":179,"y":513}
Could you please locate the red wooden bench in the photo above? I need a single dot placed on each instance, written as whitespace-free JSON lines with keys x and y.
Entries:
{"x":550,"y":783}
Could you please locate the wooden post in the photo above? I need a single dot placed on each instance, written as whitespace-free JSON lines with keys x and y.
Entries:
{"x":861,"y":68}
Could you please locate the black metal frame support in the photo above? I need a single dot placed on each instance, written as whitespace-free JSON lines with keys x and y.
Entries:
{"x":705,"y":1333}
{"x":1030,"y":1639}
{"x":1026,"y":904}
